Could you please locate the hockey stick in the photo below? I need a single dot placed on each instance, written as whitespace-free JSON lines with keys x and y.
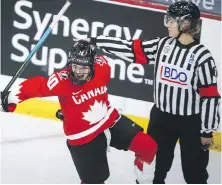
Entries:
{"x":38,"y":45}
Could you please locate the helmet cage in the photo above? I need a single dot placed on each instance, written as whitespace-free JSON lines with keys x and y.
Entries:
{"x":76,"y":77}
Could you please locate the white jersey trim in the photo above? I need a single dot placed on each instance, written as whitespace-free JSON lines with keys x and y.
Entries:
{"x":92,"y":129}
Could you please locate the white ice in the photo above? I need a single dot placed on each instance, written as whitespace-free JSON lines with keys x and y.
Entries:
{"x":33,"y":151}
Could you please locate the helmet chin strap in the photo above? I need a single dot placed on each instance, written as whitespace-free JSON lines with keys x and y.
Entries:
{"x":180,"y":33}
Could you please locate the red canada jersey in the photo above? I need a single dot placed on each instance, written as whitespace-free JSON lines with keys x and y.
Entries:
{"x":86,"y":108}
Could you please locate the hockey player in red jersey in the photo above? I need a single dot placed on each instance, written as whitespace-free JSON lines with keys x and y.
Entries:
{"x":91,"y":123}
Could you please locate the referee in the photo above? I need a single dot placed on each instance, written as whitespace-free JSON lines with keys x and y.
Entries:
{"x":185,"y":91}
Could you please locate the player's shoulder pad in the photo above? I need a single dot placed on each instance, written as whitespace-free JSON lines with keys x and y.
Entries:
{"x":101,"y":60}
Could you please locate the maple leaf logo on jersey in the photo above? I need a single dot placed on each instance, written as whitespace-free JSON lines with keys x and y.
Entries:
{"x":101,"y":60}
{"x":98,"y":112}
{"x":63,"y":75}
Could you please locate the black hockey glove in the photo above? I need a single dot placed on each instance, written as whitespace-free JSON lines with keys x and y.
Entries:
{"x":4,"y":102}
{"x":60,"y":115}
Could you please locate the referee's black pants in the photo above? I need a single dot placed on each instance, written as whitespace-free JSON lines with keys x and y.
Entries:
{"x":166,"y":129}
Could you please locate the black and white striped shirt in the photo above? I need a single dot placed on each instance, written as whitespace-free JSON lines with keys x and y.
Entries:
{"x":185,"y":75}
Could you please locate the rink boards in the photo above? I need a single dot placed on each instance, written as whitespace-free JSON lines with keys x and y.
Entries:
{"x":137,"y":110}
{"x":47,"y":109}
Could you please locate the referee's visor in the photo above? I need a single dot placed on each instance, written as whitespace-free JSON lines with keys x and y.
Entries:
{"x":169,"y":19}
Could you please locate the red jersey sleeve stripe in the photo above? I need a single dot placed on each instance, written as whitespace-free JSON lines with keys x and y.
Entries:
{"x":210,"y":91}
{"x":140,"y":56}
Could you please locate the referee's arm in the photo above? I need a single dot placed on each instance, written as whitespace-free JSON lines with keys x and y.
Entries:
{"x":137,"y":51}
{"x":210,"y":98}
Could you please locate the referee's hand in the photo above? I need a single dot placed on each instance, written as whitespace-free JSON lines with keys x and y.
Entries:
{"x":207,"y":142}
